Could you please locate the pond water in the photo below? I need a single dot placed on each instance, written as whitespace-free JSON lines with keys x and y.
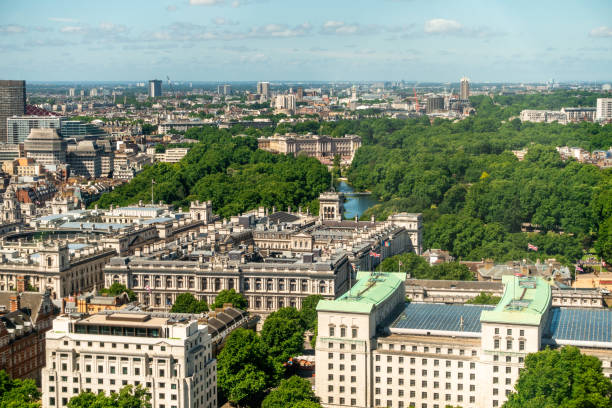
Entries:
{"x":355,"y":205}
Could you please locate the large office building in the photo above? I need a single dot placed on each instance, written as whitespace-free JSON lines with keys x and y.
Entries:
{"x":464,"y":93}
{"x":155,"y":88}
{"x":12,"y":102}
{"x":435,"y":103}
{"x":19,"y":127}
{"x":169,"y":354}
{"x":78,"y":130}
{"x":375,"y":350}
{"x":45,"y":146}
{"x":604,"y":109}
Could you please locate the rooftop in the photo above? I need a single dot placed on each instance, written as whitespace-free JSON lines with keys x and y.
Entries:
{"x":371,"y":289}
{"x":440,"y":317}
{"x":581,"y":324}
{"x":525,"y":301}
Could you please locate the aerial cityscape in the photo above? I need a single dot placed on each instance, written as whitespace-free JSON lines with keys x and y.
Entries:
{"x":256,"y":203}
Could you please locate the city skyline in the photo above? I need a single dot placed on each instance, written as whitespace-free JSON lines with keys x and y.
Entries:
{"x":225,"y":40}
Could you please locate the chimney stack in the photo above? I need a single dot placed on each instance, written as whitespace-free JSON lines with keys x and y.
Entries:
{"x":14,"y":302}
{"x":21,"y":286}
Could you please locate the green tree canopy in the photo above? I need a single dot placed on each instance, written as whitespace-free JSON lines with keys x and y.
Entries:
{"x":484,"y":299}
{"x":419,"y":268}
{"x":245,"y":370}
{"x":309,"y":311}
{"x":187,"y":303}
{"x":117,"y":289}
{"x":230,"y":296}
{"x":17,"y":393}
{"x":290,"y":393}
{"x":283,"y":334}
{"x":561,"y":379}
{"x":127,"y":397}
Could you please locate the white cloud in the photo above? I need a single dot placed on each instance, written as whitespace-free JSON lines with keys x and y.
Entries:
{"x":72,"y":29}
{"x":342,"y":28}
{"x":171,"y":7}
{"x":205,"y":2}
{"x":602,"y":31}
{"x":62,"y":19}
{"x":12,"y":29}
{"x":442,"y":26}
{"x":220,"y":21}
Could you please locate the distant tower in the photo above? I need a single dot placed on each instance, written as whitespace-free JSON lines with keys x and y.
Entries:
{"x":263,"y":88}
{"x":155,"y":90}
{"x":330,"y":206}
{"x":12,"y":102}
{"x":465,"y":89}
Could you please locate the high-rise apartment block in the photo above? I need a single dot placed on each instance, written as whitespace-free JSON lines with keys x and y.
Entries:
{"x":263,"y":88}
{"x":12,"y":102}
{"x":169,"y":354}
{"x":155,"y":88}
{"x":435,"y":103}
{"x":71,"y":92}
{"x":464,"y":94}
{"x":604,"y":109}
{"x":286,"y":102}
{"x":375,"y":350}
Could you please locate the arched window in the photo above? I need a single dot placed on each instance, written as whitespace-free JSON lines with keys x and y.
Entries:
{"x":135,"y":282}
{"x":247,"y":284}
{"x":168,"y":282}
{"x":157,"y":282}
{"x":217,"y":284}
{"x":258,"y":284}
{"x":191,"y":283}
{"x":281,"y":284}
{"x":292,"y":285}
{"x":230,"y":284}
{"x":269,"y":284}
{"x":116,"y":278}
{"x":204,"y":283}
{"x":49,"y":261}
{"x":322,"y":287}
{"x":304,"y":285}
{"x":179,"y":282}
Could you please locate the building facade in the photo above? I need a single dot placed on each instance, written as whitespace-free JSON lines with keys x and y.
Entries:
{"x":374,"y":350}
{"x":155,"y":88}
{"x":12,"y":102}
{"x":464,"y":93}
{"x":324,"y":148}
{"x":604,"y":109}
{"x":170,"y":355}
{"x":45,"y":146}
{"x":19,"y":127}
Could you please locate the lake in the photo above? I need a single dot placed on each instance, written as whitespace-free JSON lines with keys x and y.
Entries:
{"x":355,"y":205}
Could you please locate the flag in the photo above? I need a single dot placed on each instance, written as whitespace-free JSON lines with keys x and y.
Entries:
{"x":153,"y":181}
{"x":148,"y":288}
{"x":532,"y":247}
{"x":387,"y":243}
{"x":400,"y":263}
{"x":603,"y":263}
{"x":374,"y":254}
{"x":578,"y":268}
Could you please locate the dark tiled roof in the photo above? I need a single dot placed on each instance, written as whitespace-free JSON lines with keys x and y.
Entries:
{"x":436,"y":316}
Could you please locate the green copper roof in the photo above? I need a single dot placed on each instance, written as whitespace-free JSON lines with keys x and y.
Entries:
{"x":371,"y":289}
{"x":525,"y":300}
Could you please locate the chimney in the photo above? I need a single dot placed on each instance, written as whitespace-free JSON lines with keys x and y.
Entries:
{"x":21,"y":286}
{"x":14,"y":302}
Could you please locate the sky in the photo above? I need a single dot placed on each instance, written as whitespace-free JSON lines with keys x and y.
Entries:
{"x":312,"y":40}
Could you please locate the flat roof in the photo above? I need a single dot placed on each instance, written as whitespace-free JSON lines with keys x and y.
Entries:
{"x":525,"y":301}
{"x":440,"y":317}
{"x":123,"y":319}
{"x":580,"y":324}
{"x":371,"y":289}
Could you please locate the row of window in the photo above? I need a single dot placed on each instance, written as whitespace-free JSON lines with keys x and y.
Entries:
{"x":343,"y":331}
{"x":422,"y":349}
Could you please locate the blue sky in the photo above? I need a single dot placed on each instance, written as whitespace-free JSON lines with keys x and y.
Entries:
{"x":243,"y":40}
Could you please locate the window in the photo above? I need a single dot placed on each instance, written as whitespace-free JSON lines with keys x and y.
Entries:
{"x":521,"y":332}
{"x":496,"y":344}
{"x":509,"y":332}
{"x":497,"y":330}
{"x":331,"y":331}
{"x":508,"y":344}
{"x":342,"y":331}
{"x":354,"y":332}
{"x":521,"y":345}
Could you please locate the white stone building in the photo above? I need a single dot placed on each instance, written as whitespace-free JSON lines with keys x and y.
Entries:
{"x":170,"y":355}
{"x":374,"y":350}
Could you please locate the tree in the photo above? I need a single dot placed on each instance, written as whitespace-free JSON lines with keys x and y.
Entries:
{"x":128,"y":397}
{"x":230,"y":296}
{"x":561,"y":378}
{"x":117,"y":289}
{"x":187,"y":303}
{"x":309,"y":311}
{"x":283,"y":334}
{"x":17,"y":393}
{"x":484,"y":299}
{"x":245,"y":370}
{"x":289,"y":393}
